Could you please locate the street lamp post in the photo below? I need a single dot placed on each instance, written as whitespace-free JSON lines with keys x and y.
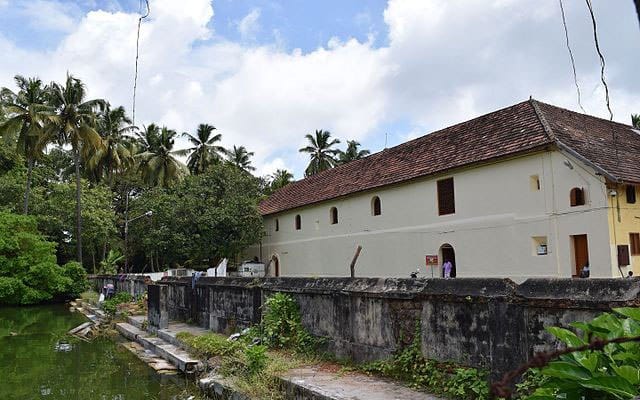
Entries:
{"x":126,"y":236}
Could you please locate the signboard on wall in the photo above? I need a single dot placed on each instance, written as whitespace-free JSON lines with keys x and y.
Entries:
{"x":431,"y":260}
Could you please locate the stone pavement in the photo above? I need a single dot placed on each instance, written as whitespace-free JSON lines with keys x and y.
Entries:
{"x":316,"y":384}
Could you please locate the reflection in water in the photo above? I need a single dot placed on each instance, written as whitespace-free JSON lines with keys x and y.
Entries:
{"x":38,"y":362}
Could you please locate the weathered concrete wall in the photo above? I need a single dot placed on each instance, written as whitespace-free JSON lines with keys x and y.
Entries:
{"x":135,"y":285}
{"x":489,"y":323}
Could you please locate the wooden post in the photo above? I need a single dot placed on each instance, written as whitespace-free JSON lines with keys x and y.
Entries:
{"x":353,"y":262}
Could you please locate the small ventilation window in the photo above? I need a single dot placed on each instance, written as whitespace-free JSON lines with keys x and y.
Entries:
{"x":298,"y":222}
{"x":534,"y":183}
{"x":631,"y":194}
{"x":333,"y":216}
{"x":376,"y":206}
{"x":277,"y":225}
{"x":577,"y":197}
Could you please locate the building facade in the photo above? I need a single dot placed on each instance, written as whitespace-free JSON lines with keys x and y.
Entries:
{"x":499,"y":196}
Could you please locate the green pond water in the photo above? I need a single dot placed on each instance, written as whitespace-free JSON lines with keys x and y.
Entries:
{"x":37,"y":361}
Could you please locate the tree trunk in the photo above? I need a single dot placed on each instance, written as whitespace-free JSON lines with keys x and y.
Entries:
{"x":76,"y":160}
{"x":93,"y":259}
{"x":28,"y":188}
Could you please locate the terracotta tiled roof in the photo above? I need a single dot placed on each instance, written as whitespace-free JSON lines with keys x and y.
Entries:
{"x":521,"y":128}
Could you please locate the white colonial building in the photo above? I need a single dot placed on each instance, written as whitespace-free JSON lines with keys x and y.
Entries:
{"x":531,"y":190}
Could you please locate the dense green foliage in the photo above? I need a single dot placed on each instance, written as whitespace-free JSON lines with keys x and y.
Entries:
{"x":111,"y":306}
{"x":452,"y":381}
{"x":281,"y":325}
{"x":84,"y":171}
{"x":612,"y":373}
{"x":29,"y":273}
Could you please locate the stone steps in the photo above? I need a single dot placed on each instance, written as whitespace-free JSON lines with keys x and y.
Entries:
{"x":172,"y":353}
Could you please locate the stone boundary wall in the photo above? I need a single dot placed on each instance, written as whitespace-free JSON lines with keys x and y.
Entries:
{"x":135,"y":285}
{"x":487,"y":323}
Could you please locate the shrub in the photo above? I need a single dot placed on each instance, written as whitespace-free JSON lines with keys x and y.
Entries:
{"x":281,"y":325}
{"x":610,"y":373}
{"x":111,"y":306}
{"x":256,"y":357}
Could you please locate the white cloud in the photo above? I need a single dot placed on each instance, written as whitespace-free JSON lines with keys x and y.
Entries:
{"x":47,"y":15}
{"x":272,"y":166}
{"x":445,"y":62}
{"x":249,"y":25}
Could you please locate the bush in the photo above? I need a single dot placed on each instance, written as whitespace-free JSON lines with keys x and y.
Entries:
{"x":28,"y":270}
{"x":281,"y":325}
{"x":610,"y":373}
{"x":111,"y":306}
{"x":256,"y":357}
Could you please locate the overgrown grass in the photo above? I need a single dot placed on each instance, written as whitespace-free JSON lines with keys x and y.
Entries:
{"x":254,"y":368}
{"x":90,"y":296}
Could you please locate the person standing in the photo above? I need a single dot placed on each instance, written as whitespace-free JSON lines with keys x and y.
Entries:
{"x":447,"y":267}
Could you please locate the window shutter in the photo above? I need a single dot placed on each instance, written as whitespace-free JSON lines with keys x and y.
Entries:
{"x":446,"y":197}
{"x":631,"y":194}
{"x":623,"y":255}
{"x":634,"y":239}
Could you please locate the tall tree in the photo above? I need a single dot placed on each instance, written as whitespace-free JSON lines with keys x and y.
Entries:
{"x":352,"y":152}
{"x":281,"y":178}
{"x":75,"y":124}
{"x":241,"y":158}
{"x":635,"y":120}
{"x":27,"y":114}
{"x":115,"y":155}
{"x":205,"y":151}
{"x":320,"y":151}
{"x":157,"y":161}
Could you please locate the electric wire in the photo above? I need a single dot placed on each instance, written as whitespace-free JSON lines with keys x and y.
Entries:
{"x":573,"y":61}
{"x":135,"y":78}
{"x":602,"y":62}
{"x":603,"y":80}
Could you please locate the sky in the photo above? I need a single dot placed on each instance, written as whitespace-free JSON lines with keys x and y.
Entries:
{"x":267,"y":72}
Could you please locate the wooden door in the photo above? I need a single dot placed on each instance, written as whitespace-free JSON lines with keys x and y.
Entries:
{"x":580,"y":252}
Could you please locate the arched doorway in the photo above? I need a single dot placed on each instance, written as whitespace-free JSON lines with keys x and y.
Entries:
{"x":275,"y":260}
{"x":447,"y":253}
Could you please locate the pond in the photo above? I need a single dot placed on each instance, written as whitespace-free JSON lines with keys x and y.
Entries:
{"x":37,"y":361}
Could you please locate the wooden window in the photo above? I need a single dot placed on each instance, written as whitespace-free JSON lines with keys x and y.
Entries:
{"x":298,"y":222}
{"x":576,"y":197}
{"x":634,"y":240}
{"x":446,"y":197}
{"x":376,"y":206}
{"x":631,"y":194}
{"x":277,"y":225}
{"x":623,"y":255}
{"x":333,"y":216}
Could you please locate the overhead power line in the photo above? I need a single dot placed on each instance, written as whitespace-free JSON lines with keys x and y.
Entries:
{"x":135,"y":78}
{"x":602,"y":62}
{"x":573,"y":61}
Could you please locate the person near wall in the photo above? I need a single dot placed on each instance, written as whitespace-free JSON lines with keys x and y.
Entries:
{"x":447,"y":267}
{"x":585,"y":273}
{"x":630,"y":274}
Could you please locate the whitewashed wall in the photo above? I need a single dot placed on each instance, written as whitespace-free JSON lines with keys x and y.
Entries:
{"x":497,"y":214}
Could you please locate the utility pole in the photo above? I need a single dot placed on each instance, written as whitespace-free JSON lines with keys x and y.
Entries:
{"x":126,"y":236}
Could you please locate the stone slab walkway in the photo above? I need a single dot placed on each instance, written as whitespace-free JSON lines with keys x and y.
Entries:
{"x":310,"y":381}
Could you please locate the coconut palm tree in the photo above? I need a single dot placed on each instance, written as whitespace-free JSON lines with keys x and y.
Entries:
{"x":352,"y":153}
{"x":320,"y":151}
{"x":241,"y":158}
{"x":113,"y":125}
{"x":157,"y":161}
{"x":635,"y":120}
{"x":205,"y":151}
{"x":27,"y":113}
{"x":74,"y":124}
{"x":281,"y":178}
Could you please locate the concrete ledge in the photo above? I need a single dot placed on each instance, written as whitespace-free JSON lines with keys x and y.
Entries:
{"x":575,"y":291}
